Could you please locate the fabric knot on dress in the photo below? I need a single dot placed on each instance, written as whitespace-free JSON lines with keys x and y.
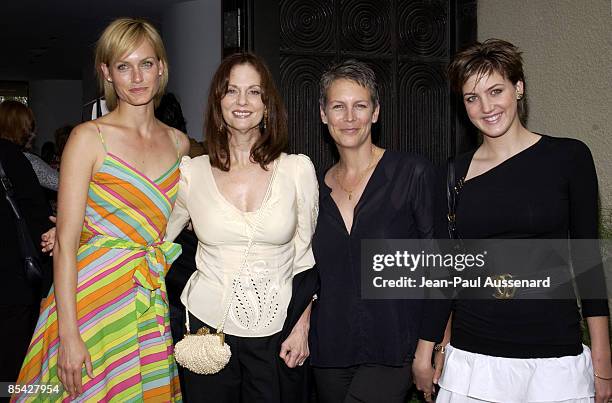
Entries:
{"x":151,"y":264}
{"x":156,"y":258}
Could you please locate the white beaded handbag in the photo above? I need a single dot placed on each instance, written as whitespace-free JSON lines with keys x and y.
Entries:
{"x":206,"y":353}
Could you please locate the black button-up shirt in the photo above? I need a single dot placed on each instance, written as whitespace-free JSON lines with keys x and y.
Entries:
{"x":345,"y":329}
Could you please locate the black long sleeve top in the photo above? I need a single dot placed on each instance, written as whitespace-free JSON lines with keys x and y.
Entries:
{"x":548,"y":191}
{"x":34,"y":207}
{"x":347,"y":330}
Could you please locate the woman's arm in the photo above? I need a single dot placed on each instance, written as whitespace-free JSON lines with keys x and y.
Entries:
{"x":294,"y":350}
{"x":47,"y":176}
{"x":180,"y":213}
{"x":586,"y":260}
{"x":307,"y":189}
{"x":600,"y":353}
{"x":439,"y":354}
{"x":435,"y":311}
{"x":77,"y":167}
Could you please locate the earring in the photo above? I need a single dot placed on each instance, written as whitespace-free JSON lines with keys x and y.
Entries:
{"x":109,"y":79}
{"x":519,"y":95}
{"x":221,"y":127}
{"x":265,"y":119}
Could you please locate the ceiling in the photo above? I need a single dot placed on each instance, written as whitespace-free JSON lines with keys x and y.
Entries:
{"x":54,"y":39}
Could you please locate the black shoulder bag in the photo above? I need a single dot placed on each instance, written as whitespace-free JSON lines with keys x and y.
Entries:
{"x":32,"y":262}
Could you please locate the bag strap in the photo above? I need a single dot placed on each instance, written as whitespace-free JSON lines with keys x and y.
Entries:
{"x":451,"y":198}
{"x":26,"y":243}
{"x":244,"y":258}
{"x":7,"y":185}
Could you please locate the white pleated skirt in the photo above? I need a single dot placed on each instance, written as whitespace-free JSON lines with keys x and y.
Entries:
{"x":472,"y":378}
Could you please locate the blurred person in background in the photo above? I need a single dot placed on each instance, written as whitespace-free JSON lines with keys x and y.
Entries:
{"x":48,"y":153}
{"x":17,"y":125}
{"x":61,"y":137}
{"x":19,"y":299}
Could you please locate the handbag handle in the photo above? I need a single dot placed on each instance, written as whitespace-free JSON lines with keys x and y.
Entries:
{"x":244,"y":258}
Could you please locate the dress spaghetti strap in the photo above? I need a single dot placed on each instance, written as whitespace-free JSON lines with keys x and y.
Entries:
{"x":101,"y":138}
{"x":178,"y":151}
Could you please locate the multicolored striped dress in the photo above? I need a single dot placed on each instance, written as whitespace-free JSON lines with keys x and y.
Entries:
{"x":122,"y":307}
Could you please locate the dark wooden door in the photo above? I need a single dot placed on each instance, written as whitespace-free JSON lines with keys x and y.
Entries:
{"x":407,"y":42}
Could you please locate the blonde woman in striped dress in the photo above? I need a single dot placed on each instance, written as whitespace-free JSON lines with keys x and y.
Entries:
{"x":103,"y":334}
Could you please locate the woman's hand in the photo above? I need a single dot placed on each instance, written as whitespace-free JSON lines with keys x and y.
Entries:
{"x":294,"y":349}
{"x":71,"y":356}
{"x":603,"y":390}
{"x":47,"y":240}
{"x":422,"y":371}
{"x":423,"y":374}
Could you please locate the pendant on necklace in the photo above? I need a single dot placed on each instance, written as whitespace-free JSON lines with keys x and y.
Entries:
{"x":350,"y":196}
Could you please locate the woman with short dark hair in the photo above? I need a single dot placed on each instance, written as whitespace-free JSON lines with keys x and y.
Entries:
{"x":522,"y":185}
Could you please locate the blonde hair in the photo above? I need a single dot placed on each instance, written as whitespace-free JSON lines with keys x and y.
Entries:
{"x":122,"y":36}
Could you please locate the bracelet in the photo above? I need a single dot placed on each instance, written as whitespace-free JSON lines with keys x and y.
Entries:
{"x":441,"y":348}
{"x":601,"y":377}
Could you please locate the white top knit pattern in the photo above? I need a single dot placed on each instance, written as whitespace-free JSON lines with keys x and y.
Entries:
{"x":281,"y":245}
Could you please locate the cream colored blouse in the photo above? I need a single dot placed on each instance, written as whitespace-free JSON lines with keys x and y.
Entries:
{"x":281,"y":247}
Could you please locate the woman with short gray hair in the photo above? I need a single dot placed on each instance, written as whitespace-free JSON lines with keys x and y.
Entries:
{"x":365,"y":350}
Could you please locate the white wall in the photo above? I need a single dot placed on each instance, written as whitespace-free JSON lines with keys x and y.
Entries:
{"x":192,"y":35}
{"x":55,"y":103}
{"x":567,"y":47}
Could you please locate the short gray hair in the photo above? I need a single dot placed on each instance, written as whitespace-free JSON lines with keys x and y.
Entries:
{"x":353,"y":70}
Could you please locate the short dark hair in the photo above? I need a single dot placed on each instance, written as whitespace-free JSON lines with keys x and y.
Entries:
{"x":484,"y":58}
{"x":353,"y":70}
{"x":273,"y":140}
